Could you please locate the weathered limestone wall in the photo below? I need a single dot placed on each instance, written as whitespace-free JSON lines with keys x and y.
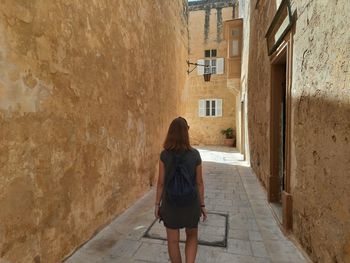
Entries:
{"x":257,"y":85}
{"x":321,"y":129}
{"x":320,"y":163}
{"x":206,"y":32}
{"x":244,"y":11}
{"x":87,"y":90}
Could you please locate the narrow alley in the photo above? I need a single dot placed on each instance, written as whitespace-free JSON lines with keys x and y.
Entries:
{"x":90,"y":88}
{"x":253,"y":234}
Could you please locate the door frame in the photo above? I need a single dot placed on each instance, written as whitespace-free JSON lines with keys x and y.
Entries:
{"x":285,"y":48}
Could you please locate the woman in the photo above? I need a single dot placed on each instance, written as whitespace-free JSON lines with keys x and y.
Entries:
{"x":177,"y":149}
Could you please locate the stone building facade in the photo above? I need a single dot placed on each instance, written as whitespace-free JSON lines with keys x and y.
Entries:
{"x":298,"y":104}
{"x":87,"y":91}
{"x":209,"y":106}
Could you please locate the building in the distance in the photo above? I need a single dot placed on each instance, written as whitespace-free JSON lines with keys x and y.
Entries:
{"x":211,"y":106}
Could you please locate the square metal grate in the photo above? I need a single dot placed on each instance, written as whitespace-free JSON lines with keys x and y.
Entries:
{"x":212,"y":232}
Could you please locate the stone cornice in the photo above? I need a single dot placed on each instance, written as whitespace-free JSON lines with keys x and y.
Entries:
{"x":209,"y":4}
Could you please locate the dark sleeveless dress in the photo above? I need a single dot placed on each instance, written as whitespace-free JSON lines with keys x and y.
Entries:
{"x":188,"y":216}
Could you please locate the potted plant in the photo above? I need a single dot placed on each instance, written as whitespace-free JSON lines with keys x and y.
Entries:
{"x":229,"y":136}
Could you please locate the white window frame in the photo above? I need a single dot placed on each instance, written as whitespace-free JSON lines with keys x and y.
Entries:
{"x":210,"y":66}
{"x":215,"y":66}
{"x":202,"y":108}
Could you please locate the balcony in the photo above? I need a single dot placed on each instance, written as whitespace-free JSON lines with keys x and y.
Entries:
{"x":233,"y":36}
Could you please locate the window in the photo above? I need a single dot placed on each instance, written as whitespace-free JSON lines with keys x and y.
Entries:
{"x":210,"y":53}
{"x":207,"y":68}
{"x":235,"y":48}
{"x":207,"y":107}
{"x":235,"y":44}
{"x":210,"y":108}
{"x":213,"y":112}
{"x":211,"y":66}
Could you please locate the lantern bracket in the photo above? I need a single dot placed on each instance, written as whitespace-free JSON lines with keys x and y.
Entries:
{"x":206,"y":75}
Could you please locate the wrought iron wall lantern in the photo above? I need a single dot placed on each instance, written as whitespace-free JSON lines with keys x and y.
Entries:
{"x":205,"y":75}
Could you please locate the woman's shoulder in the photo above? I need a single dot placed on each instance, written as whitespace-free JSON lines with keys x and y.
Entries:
{"x":164,"y":154}
{"x":196,"y":156}
{"x":194,"y":151}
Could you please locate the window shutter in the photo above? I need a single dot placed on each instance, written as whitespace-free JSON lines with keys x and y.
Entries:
{"x":200,"y":69}
{"x":219,"y":66}
{"x":218,"y":107}
{"x":201,"y":108}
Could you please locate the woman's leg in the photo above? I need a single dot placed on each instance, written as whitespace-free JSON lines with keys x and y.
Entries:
{"x":191,"y":244}
{"x":173,"y":236}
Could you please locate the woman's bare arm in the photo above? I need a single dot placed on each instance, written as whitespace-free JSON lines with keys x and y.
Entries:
{"x":160,"y":183}
{"x":200,"y":183}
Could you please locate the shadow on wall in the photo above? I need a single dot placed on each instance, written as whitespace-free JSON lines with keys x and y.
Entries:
{"x":321,"y":168}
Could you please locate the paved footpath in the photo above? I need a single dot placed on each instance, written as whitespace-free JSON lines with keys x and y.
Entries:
{"x":230,"y":188}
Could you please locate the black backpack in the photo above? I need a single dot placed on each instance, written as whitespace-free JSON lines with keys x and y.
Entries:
{"x":180,"y":190}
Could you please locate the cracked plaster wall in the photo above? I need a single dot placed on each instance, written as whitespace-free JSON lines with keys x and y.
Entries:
{"x":87,"y":90}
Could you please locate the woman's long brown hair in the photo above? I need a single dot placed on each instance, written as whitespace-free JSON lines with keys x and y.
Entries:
{"x":177,"y":137}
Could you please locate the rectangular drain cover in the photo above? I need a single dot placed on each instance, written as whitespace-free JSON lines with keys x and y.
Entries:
{"x":212,"y":232}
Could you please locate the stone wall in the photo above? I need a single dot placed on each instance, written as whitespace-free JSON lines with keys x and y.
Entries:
{"x":321,"y":129}
{"x":206,"y":32}
{"x":258,"y":88}
{"x":244,"y":11}
{"x":320,"y":125}
{"x":87,"y":91}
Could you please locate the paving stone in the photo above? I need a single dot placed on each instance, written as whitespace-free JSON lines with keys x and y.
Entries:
{"x":272,"y":233}
{"x":225,"y":202}
{"x":266,"y":222}
{"x":81,"y":257}
{"x":240,"y":247}
{"x":118,"y":260}
{"x":152,"y":240}
{"x":280,"y":247}
{"x":222,"y":208}
{"x":207,"y":254}
{"x":254,"y":235}
{"x":259,"y":249}
{"x":231,"y":258}
{"x":238,"y":234}
{"x":246,"y":225}
{"x":102,"y":242}
{"x":287,"y":258}
{"x":124,"y":248}
{"x":152,"y":253}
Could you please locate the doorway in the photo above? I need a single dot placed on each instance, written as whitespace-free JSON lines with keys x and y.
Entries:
{"x":278,"y":130}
